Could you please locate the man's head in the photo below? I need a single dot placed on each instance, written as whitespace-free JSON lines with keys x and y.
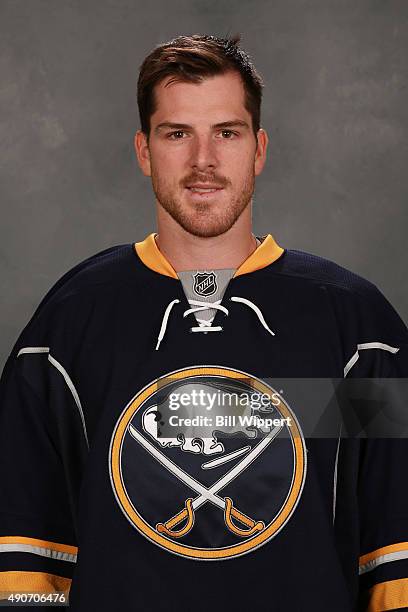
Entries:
{"x":199,"y":102}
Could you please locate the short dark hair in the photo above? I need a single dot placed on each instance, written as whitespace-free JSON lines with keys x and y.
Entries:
{"x":191,"y":59}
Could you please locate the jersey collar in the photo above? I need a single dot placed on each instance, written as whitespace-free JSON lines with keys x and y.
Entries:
{"x":266,"y":253}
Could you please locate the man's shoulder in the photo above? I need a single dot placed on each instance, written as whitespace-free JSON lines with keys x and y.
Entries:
{"x":315,"y":269}
{"x":84,"y":283}
{"x":352,"y":296}
{"x":103,"y":267}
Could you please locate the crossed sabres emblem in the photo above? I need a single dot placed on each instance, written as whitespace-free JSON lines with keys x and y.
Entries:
{"x":207,"y":494}
{"x":250,"y":531}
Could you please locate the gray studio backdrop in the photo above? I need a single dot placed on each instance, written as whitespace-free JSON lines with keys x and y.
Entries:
{"x":335,"y":107}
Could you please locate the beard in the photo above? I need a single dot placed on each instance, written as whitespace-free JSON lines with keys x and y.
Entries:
{"x":203,"y":219}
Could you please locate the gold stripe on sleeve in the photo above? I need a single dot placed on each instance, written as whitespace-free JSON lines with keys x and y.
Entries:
{"x":32,"y":582}
{"x":390,"y":595}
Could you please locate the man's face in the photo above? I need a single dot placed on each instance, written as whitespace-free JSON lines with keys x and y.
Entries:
{"x":201,"y":137}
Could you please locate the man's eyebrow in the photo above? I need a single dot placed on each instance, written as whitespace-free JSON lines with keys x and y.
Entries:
{"x":186,"y":126}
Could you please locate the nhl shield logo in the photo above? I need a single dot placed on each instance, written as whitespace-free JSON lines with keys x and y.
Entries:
{"x":215,"y":495}
{"x":205,"y":283}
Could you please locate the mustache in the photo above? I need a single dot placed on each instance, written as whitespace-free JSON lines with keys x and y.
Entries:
{"x":205,"y":179}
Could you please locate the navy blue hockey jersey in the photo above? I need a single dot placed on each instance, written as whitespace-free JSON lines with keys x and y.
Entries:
{"x":100,"y":502}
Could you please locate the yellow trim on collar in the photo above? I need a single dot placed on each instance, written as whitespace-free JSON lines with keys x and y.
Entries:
{"x":153,"y":258}
{"x":266,"y":253}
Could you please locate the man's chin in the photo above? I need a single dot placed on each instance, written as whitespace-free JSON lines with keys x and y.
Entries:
{"x":205,"y":228}
{"x":202,"y":220}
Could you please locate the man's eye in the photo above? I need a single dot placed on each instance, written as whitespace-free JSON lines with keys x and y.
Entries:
{"x":176,"y":132}
{"x":230,"y":132}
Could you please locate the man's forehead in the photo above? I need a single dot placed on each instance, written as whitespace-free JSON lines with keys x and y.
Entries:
{"x":178,"y":101}
{"x":230,"y":76}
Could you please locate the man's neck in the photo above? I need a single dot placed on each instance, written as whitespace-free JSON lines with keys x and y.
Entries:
{"x":196,"y":253}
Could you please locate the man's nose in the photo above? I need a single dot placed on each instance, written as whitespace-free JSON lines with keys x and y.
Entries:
{"x":203,"y":152}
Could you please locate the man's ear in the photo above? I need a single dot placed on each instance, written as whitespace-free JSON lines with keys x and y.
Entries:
{"x":260,"y":154}
{"x":142,"y":152}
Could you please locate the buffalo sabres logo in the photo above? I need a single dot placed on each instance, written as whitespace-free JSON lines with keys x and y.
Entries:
{"x":224,"y":486}
{"x":205,"y":283}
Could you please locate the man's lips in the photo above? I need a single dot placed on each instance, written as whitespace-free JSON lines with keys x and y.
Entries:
{"x":200,"y":193}
{"x":206,"y":194}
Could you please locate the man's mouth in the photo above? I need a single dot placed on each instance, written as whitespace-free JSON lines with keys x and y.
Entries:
{"x":198,"y":190}
{"x":202,"y":190}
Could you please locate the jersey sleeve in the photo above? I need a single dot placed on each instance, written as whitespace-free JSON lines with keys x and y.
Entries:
{"x":382,"y":493}
{"x":43,"y":446}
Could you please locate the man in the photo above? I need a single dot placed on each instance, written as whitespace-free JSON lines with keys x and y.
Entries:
{"x":152,"y":455}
